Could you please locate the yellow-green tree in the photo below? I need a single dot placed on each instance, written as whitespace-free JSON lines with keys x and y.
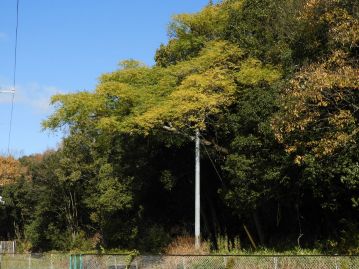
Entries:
{"x":178,"y":98}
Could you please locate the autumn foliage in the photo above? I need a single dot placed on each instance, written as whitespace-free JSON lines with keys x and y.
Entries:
{"x":10,"y":170}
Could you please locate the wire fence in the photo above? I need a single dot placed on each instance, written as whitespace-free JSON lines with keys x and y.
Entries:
{"x":65,"y":261}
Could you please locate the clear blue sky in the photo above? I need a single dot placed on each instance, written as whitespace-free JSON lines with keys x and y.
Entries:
{"x":64,"y":46}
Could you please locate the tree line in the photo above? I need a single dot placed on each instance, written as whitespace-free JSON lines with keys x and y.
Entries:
{"x":273,"y":88}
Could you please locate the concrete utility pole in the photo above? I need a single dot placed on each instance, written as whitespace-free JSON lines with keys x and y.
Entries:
{"x":197,"y":194}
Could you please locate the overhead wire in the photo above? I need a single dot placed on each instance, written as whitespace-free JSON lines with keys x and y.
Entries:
{"x":212,"y":162}
{"x":14,"y":78}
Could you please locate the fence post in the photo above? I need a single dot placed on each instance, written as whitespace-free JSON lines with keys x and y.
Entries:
{"x":70,"y":267}
{"x":225,"y":261}
{"x":81,"y":266}
{"x":336,"y":263}
{"x":275,"y":259}
{"x":51,"y":262}
{"x":29,"y":261}
{"x":183,"y":263}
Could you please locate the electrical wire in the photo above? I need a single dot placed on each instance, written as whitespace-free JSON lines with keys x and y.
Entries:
{"x":212,"y":162}
{"x":14,"y":77}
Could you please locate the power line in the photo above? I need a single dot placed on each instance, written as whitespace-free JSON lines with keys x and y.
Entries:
{"x":212,"y":162}
{"x":14,"y":77}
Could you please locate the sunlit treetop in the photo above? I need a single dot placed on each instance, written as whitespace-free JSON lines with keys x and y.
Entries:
{"x":140,"y":99}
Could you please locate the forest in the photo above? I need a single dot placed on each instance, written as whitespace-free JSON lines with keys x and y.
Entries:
{"x":271,"y":85}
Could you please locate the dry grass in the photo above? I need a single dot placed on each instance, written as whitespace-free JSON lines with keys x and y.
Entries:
{"x":186,"y":245}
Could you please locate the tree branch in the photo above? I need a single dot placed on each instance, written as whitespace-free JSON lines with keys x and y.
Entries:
{"x":204,"y":141}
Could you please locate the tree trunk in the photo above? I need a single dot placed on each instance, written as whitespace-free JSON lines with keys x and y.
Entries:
{"x":259,"y":228}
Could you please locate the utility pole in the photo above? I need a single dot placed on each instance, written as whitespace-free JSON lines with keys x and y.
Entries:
{"x":197,"y":193}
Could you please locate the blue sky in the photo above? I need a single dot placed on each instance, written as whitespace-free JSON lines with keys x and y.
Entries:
{"x":64,"y":46}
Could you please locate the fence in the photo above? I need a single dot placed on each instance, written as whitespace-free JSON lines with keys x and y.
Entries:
{"x":63,"y":261}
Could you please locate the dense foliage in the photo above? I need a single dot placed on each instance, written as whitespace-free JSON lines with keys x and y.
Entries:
{"x":273,"y":88}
